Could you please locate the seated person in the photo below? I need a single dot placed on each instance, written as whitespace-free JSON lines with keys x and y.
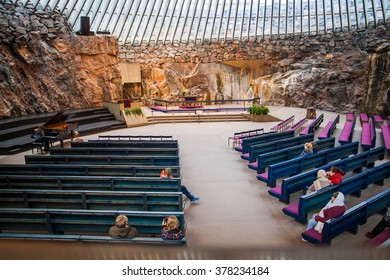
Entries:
{"x":322,"y":181}
{"x":314,"y":146}
{"x":335,"y":175}
{"x":381,"y":226}
{"x":39,"y":135}
{"x":122,"y":229}
{"x":333,"y":209}
{"x":167,"y":174}
{"x":77,"y":137}
{"x":171,"y":230}
{"x":308,"y":150}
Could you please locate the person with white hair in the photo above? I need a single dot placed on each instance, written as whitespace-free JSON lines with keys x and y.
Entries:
{"x":321,"y":182}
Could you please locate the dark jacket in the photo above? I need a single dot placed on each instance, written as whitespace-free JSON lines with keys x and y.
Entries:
{"x":124,"y":232}
{"x":175,"y":234}
{"x":330,"y":213}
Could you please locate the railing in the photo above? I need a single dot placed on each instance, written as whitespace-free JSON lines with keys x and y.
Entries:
{"x":167,"y":103}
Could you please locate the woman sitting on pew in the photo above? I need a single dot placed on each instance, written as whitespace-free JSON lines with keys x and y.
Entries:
{"x":167,"y":174}
{"x":335,"y":175}
{"x":321,"y":182}
{"x":333,"y":209}
{"x":171,"y":229}
{"x":77,"y":137}
{"x":308,"y":150}
{"x":122,"y":229}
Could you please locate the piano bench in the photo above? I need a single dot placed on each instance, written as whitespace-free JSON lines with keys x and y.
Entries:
{"x":39,"y":146}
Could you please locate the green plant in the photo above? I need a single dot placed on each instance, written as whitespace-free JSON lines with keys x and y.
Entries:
{"x":136,"y":112}
{"x":258,"y":110}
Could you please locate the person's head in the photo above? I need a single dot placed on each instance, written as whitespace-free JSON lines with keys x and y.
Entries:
{"x":308,"y":146}
{"x":76,"y":134}
{"x":172,"y":223}
{"x":334,"y":170}
{"x":168,"y":171}
{"x":121,"y":221}
{"x":321,"y":173}
{"x":313,"y":144}
{"x":337,"y":198}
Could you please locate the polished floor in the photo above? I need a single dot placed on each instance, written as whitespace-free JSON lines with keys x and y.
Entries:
{"x":235,"y":218}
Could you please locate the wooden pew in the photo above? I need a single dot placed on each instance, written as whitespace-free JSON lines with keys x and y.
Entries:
{"x":329,"y":128}
{"x":350,"y":220}
{"x":81,"y":225}
{"x":90,"y":183}
{"x":299,"y":182}
{"x":283,"y":125}
{"x":238,"y":136}
{"x":368,"y":140}
{"x":116,"y":151}
{"x":352,"y":185}
{"x":256,"y":150}
{"x":135,"y":137}
{"x":126,"y":144}
{"x":85,"y":170}
{"x":272,"y":136}
{"x":265,"y":160}
{"x":102,"y":160}
{"x":313,"y":125}
{"x":378,"y":120}
{"x":347,"y":132}
{"x":297,"y":165}
{"x":299,"y":126}
{"x":92,"y":200}
{"x":364,"y":118}
{"x":386,"y":136}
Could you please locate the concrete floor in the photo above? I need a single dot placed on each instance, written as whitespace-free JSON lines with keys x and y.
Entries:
{"x":235,"y":218}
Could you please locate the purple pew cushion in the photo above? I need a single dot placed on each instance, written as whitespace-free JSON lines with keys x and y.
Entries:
{"x":292,"y":208}
{"x":313,"y":234}
{"x":263,"y":176}
{"x":253,"y":164}
{"x":277,"y":190}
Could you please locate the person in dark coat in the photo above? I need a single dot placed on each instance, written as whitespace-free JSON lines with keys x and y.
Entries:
{"x":171,"y":229}
{"x":122,"y":229}
{"x":381,"y":226}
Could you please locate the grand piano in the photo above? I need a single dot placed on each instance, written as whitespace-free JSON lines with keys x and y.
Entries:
{"x":59,"y":128}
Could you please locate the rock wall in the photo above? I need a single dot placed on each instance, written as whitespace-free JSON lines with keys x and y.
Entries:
{"x":45,"y":67}
{"x":341,"y":72}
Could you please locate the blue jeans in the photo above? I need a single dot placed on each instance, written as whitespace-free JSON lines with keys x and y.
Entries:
{"x":312,"y":222}
{"x":187,"y":193}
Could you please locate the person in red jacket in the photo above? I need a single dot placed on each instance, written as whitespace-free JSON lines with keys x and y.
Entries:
{"x":333,"y":209}
{"x":335,"y":175}
{"x":167,"y":174}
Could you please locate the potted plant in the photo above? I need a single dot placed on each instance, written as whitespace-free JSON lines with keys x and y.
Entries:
{"x":258,"y":113}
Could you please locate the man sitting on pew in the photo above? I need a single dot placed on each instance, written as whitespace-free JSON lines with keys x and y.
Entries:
{"x":167,"y":174}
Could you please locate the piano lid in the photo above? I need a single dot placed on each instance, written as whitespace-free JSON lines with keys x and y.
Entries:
{"x":58,"y":118}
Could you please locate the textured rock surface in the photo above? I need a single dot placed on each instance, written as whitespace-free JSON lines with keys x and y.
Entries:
{"x":341,"y":72}
{"x":46,"y":68}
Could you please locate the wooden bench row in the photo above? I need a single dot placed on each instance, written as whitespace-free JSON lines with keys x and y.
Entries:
{"x":135,"y":137}
{"x":352,"y":185}
{"x":115,"y":151}
{"x":256,"y":150}
{"x":299,"y":182}
{"x":350,"y":220}
{"x":299,"y":126}
{"x":314,"y":125}
{"x":126,"y":144}
{"x":329,"y":128}
{"x":102,"y":160}
{"x":297,"y":165}
{"x":284,"y":125}
{"x":348,"y":129}
{"x":368,"y":139}
{"x":81,"y":225}
{"x":267,"y":159}
{"x":264,"y":138}
{"x":238,"y":136}
{"x":85,"y":170}
{"x":92,"y":200}
{"x":386,"y":136}
{"x":90,"y":183}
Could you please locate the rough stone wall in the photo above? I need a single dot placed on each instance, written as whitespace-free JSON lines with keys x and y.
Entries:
{"x":339,"y":72}
{"x":44,"y":67}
